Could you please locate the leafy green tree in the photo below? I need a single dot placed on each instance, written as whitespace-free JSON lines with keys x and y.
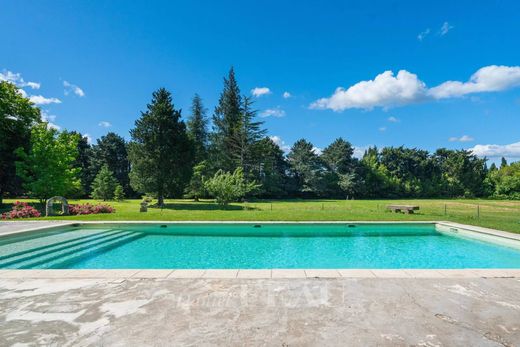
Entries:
{"x":411,"y":169}
{"x":47,"y":168}
{"x":111,"y":150}
{"x":17,"y":116}
{"x":119,"y":193}
{"x":104,"y":184}
{"x":196,"y":188}
{"x":463,"y":173}
{"x":226,"y":187}
{"x":351,"y":184}
{"x":226,"y":117}
{"x":306,"y":168}
{"x":197,"y":128}
{"x":506,"y":181}
{"x":161,"y":153}
{"x":377,"y":180}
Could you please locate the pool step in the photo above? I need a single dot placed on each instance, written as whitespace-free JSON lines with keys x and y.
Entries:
{"x":61,"y":253}
{"x":53,"y":246}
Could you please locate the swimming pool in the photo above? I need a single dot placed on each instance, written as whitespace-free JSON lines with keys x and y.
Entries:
{"x":251,"y":246}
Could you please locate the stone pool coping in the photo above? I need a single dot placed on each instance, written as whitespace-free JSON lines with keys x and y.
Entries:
{"x":28,"y":226}
{"x":172,"y":274}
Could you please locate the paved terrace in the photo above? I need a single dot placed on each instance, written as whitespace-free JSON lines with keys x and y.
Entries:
{"x":166,"y":310}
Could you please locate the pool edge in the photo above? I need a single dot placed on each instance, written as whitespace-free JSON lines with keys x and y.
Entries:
{"x":244,"y":274}
{"x":122,"y":274}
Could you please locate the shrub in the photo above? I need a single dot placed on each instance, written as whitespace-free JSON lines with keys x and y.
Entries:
{"x":90,"y":209}
{"x":21,"y":210}
{"x":227,"y":187}
{"x":119,"y":193}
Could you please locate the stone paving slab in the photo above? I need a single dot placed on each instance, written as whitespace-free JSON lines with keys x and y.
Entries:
{"x":260,"y":312}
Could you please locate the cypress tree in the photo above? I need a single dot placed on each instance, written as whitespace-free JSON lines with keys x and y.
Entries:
{"x":197,"y":129}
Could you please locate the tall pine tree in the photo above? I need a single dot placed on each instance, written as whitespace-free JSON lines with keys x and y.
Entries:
{"x":161,"y":153}
{"x":198,"y":129}
{"x":225,"y":120}
{"x":244,"y":142}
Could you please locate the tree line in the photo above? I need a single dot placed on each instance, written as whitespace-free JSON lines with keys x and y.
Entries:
{"x":226,"y":156}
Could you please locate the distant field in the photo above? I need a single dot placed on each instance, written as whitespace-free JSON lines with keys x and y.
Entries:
{"x":503,"y":215}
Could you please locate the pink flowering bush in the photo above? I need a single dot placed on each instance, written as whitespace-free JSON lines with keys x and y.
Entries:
{"x":21,"y":210}
{"x":90,"y":209}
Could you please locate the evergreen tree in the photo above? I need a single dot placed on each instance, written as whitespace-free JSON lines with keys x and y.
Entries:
{"x":306,"y":167}
{"x":119,"y":193}
{"x":17,"y":115}
{"x":503,"y":162}
{"x":83,"y":162}
{"x":196,"y":188}
{"x":161,"y":154}
{"x":197,"y":129}
{"x":243,"y":143}
{"x":270,"y":169}
{"x":339,"y":156}
{"x":104,"y":184}
{"x":340,"y":172}
{"x":111,"y":150}
{"x":225,"y":120}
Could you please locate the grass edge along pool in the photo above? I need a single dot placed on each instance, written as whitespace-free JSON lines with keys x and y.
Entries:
{"x":256,"y":245}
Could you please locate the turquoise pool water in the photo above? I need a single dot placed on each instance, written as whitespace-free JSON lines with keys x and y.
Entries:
{"x":134,"y":246}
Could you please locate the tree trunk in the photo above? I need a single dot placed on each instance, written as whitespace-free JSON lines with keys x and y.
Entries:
{"x":160,"y":200}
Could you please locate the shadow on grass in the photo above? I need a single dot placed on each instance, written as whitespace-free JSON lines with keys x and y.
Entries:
{"x":201,"y":206}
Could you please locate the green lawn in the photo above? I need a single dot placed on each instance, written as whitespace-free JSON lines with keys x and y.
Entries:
{"x":503,"y":215}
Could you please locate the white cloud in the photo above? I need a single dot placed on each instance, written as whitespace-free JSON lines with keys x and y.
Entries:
{"x":41,"y":100}
{"x":69,"y":87}
{"x":259,"y":91}
{"x":16,"y":78}
{"x":105,"y":124}
{"x":511,"y":150}
{"x":33,"y":85}
{"x":281,"y":143}
{"x":382,"y":129}
{"x":286,"y":95}
{"x":387,"y":90}
{"x":423,"y":34}
{"x":272,"y":112}
{"x":445,"y":28}
{"x":359,"y":151}
{"x":89,"y":138}
{"x":46,"y":117}
{"x":491,"y":78}
{"x":463,"y":138}
{"x":50,"y":119}
{"x":317,"y":150}
{"x":393,"y":119}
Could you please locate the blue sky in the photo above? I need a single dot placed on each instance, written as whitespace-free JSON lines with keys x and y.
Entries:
{"x":459,"y":85}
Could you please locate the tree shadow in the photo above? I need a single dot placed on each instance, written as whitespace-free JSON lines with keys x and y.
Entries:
{"x":201,"y":206}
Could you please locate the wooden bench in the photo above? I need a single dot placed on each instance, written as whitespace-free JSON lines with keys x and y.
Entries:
{"x":403,"y":208}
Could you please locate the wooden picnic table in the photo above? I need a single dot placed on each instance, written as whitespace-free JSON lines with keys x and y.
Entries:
{"x":403,"y":208}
